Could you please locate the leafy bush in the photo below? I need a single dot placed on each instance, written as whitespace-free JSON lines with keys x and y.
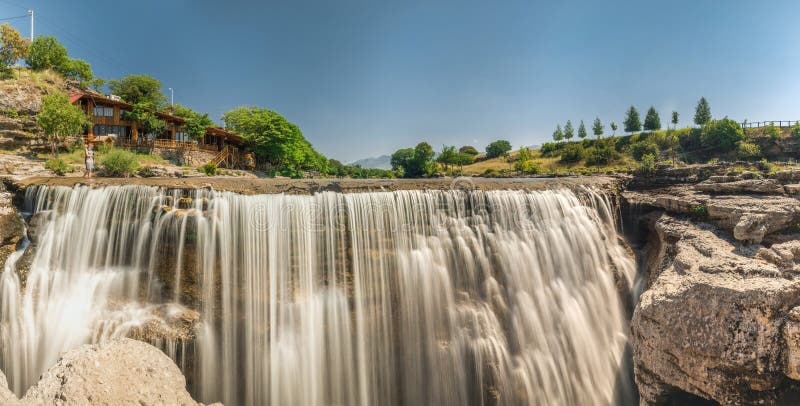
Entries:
{"x":490,"y":173}
{"x":573,"y":152}
{"x":498,"y":148}
{"x":700,"y":211}
{"x":209,"y":169}
{"x":119,"y":162}
{"x":747,"y":151}
{"x":146,"y":172}
{"x":796,"y":130}
{"x":721,"y":134}
{"x":642,"y":148}
{"x":527,"y":166}
{"x":468,"y":149}
{"x":58,"y":166}
{"x":11,"y":113}
{"x":549,"y":149}
{"x":647,"y":166}
{"x":602,"y":154}
{"x":772,"y":132}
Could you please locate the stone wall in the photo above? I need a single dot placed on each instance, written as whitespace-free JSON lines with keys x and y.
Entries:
{"x":185,"y":157}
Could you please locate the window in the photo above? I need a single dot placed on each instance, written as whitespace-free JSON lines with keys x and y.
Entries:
{"x":103,"y":111}
{"x":123,"y":114}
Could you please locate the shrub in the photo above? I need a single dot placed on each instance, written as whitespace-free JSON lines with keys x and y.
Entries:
{"x":772,"y":132}
{"x":58,"y":166}
{"x":722,"y":134}
{"x":573,"y":152}
{"x":602,"y":154}
{"x":700,"y":211}
{"x":146,"y":172}
{"x":119,"y":162}
{"x":642,"y":148}
{"x":468,"y":149}
{"x":490,"y":173}
{"x":549,"y":149}
{"x":747,"y":151}
{"x":647,"y":166}
{"x":11,"y":113}
{"x":210,"y":169}
{"x":796,"y":130}
{"x":527,"y":166}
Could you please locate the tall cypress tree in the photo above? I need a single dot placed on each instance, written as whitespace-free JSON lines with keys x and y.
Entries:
{"x":674,"y":119}
{"x":582,"y":131}
{"x":652,"y":121}
{"x":568,"y":130}
{"x":702,"y":113}
{"x":632,"y":122}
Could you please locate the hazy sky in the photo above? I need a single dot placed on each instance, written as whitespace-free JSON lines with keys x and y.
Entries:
{"x":364,"y":78}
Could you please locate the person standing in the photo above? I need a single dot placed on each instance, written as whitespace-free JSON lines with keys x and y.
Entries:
{"x":88,"y":158}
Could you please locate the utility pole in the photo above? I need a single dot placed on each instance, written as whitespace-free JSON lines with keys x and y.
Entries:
{"x":171,"y":97}
{"x":31,"y":13}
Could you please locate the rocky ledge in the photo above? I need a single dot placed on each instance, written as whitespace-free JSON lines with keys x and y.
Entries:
{"x":121,"y":371}
{"x":720,"y":317}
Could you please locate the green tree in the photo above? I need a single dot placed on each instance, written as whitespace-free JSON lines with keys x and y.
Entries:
{"x":632,"y":123}
{"x":642,"y":148}
{"x":702,"y":113}
{"x":78,"y":70}
{"x":722,"y":135}
{"x":196,"y":123}
{"x":448,"y":156}
{"x":414,"y":162}
{"x":275,"y":140}
{"x":46,"y":53}
{"x":12,"y":47}
{"x":569,"y":131}
{"x":401,"y":158}
{"x":597,"y":127}
{"x":469,"y":150}
{"x":652,"y":121}
{"x":614,"y":128}
{"x":498,"y":148}
{"x":59,"y":118}
{"x":558,"y":135}
{"x":581,"y":131}
{"x":136,"y":89}
{"x":675,"y":119}
{"x":143,"y":114}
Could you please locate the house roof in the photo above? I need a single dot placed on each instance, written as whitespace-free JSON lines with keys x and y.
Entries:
{"x":105,"y":100}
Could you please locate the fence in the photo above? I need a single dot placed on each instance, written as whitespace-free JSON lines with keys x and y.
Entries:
{"x":778,"y":123}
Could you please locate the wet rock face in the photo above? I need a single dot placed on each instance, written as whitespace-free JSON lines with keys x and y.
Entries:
{"x":12,"y":227}
{"x":719,"y":319}
{"x":121,"y":371}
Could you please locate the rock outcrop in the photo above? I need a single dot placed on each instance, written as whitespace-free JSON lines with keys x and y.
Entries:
{"x":121,"y":371}
{"x":12,"y":227}
{"x":719,"y":319}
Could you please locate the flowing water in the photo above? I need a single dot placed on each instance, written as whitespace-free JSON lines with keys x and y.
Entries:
{"x":407,"y":298}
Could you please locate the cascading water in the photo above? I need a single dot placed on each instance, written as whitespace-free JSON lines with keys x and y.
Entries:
{"x":410,"y":297}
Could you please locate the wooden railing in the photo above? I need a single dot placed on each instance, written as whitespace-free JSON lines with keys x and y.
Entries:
{"x":174,"y":144}
{"x":222,"y":156}
{"x":776,"y":123}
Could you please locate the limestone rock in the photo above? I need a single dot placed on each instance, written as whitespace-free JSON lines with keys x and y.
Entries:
{"x":714,"y":321}
{"x":121,"y":371}
{"x":7,"y":397}
{"x":760,"y":186}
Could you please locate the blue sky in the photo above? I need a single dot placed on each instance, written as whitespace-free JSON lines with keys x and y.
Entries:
{"x":364,"y":78}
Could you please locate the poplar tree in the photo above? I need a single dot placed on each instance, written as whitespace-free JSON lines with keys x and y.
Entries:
{"x":597,"y":127}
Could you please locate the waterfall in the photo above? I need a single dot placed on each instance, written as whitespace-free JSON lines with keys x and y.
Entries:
{"x":388,"y":298}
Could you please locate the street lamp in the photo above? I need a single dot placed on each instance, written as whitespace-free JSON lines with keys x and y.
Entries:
{"x":31,"y":14}
{"x":171,"y":97}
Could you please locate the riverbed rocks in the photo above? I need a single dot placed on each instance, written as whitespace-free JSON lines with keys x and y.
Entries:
{"x":719,"y":319}
{"x":120,"y":371}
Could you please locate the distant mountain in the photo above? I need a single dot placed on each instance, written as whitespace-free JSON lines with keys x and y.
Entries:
{"x":381,"y":162}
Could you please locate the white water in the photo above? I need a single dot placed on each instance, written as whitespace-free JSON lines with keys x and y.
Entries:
{"x":412,"y":297}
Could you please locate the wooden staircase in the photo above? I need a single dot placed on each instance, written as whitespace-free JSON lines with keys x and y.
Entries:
{"x":222,"y":156}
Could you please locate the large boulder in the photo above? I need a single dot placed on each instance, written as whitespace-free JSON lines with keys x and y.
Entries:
{"x":120,"y":371}
{"x":718,"y":320}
